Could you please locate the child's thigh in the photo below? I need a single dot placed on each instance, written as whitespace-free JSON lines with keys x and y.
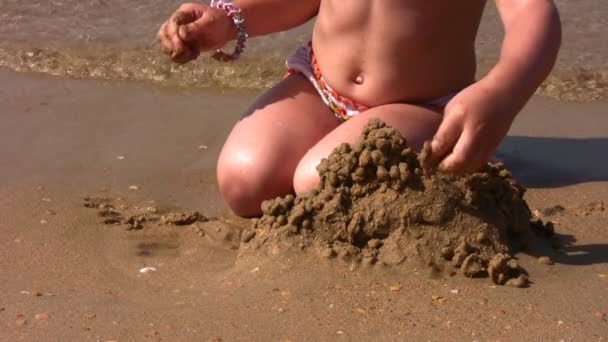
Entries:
{"x":267,"y":143}
{"x":415,"y":123}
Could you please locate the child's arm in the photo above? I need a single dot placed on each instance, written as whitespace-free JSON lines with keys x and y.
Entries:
{"x":269,"y":16}
{"x":529,"y":49}
{"x":478,"y":118}
{"x":209,"y":28}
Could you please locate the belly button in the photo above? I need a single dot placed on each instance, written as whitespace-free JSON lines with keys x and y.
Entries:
{"x":359,"y":79}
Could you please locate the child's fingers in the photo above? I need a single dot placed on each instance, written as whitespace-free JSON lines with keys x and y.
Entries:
{"x":444,"y":140}
{"x":163,"y":40}
{"x":183,"y":17}
{"x":199,"y":33}
{"x":173,"y":34}
{"x":186,"y":56}
{"x":464,"y":157}
{"x":192,"y":31}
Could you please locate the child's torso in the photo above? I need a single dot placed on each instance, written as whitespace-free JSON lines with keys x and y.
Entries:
{"x":387,"y":51}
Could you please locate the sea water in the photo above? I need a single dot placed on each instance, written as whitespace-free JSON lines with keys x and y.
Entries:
{"x":115,"y":39}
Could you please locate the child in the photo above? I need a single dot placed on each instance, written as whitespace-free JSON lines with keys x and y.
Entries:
{"x":410,"y":63}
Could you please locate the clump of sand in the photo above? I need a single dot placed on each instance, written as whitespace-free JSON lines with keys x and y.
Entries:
{"x":376,"y":205}
{"x":116,"y":212}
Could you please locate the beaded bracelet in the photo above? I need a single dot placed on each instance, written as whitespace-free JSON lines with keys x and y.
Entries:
{"x":241,"y":36}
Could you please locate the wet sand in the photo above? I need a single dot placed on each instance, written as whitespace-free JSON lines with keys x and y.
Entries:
{"x":62,"y":140}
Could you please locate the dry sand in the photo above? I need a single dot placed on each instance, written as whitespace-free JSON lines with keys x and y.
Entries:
{"x":67,"y":276}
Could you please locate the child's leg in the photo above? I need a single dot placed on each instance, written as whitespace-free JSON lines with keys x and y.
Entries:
{"x":416,"y":123}
{"x":260,"y":156}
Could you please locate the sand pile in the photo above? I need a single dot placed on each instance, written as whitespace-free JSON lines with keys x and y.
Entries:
{"x":117,"y":212}
{"x":376,"y":205}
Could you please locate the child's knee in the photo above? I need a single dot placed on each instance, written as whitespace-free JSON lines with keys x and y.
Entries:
{"x":306,"y":177}
{"x":248,"y":177}
{"x":238,"y":184}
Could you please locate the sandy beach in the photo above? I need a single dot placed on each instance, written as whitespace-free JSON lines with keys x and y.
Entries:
{"x":98,"y":128}
{"x":67,"y":277}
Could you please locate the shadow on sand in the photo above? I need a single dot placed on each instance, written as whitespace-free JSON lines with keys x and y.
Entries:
{"x":569,"y":253}
{"x":539,"y":162}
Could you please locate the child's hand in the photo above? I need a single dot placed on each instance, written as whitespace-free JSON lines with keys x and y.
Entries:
{"x":475,"y":122}
{"x":192,"y":29}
